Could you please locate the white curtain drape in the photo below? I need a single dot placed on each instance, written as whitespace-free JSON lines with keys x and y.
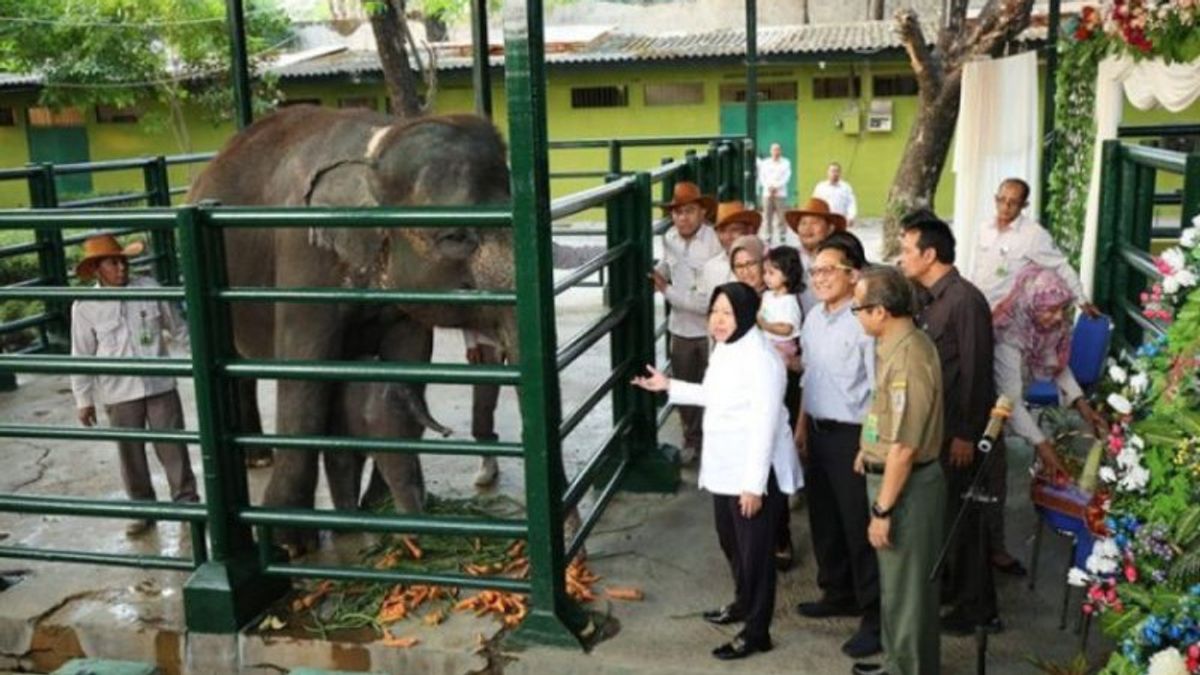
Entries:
{"x":997,"y":138}
{"x":1146,"y":85}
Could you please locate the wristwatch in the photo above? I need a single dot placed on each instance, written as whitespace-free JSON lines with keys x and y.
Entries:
{"x":881,"y":513}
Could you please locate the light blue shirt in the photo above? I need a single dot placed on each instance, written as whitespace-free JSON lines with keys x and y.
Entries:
{"x":839,"y":365}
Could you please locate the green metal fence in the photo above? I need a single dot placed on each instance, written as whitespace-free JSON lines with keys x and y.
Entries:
{"x":1123,"y":263}
{"x":237,"y":573}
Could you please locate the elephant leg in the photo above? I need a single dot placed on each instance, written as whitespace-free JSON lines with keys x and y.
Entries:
{"x":404,"y":480}
{"x":343,"y":473}
{"x":250,"y":422}
{"x":377,"y":489}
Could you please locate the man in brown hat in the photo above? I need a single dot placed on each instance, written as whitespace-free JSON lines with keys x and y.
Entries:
{"x":812,"y":223}
{"x":687,"y":246}
{"x":733,"y":221}
{"x":122,"y":329}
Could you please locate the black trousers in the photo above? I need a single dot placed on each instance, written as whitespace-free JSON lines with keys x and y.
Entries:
{"x":838,"y":512}
{"x":748,"y":545}
{"x":791,"y":401}
{"x":970,"y":584}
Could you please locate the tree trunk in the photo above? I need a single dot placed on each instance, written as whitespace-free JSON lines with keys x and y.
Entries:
{"x":391,"y":38}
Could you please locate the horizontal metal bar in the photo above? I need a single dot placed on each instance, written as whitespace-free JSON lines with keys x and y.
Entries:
{"x":101,"y":201}
{"x":179,"y":190}
{"x":616,"y":377}
{"x":577,"y":233}
{"x":398,"y":577}
{"x":107,"y":559}
{"x":98,"y":508}
{"x":1165,"y":160}
{"x":583,"y":200}
{"x":116,"y":232}
{"x":1139,"y":260}
{"x":97,"y":433}
{"x":20,"y":249}
{"x":580,"y":174}
{"x":597,"y":512}
{"x":25,"y":322}
{"x":90,"y":293}
{"x":639,"y":141}
{"x":410,"y":445}
{"x":660,"y":172}
{"x":105,"y":165}
{"x":1168,"y":199}
{"x":95,"y":365}
{"x":373,"y":371}
{"x":18,"y":173}
{"x":399,"y":523}
{"x":1134,"y":312}
{"x":1135,"y":131}
{"x":189,"y":158}
{"x":589,"y":336}
{"x":1166,"y":232}
{"x":143,"y":218}
{"x":592,"y":266}
{"x":661,"y":226}
{"x":583,"y":480}
{"x":660,"y":330}
{"x":456,"y":297}
{"x":35,"y":281}
{"x":663,"y":414}
{"x":425,"y":216}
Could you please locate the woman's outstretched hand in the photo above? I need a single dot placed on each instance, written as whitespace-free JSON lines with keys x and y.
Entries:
{"x":655,"y":381}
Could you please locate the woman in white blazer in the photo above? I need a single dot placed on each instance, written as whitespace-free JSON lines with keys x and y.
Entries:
{"x":748,"y":461}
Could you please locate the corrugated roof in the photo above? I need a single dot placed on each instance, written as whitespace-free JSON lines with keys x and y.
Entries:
{"x":18,"y":79}
{"x":614,"y":47}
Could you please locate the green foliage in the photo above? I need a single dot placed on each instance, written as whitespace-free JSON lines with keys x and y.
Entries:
{"x":131,"y":52}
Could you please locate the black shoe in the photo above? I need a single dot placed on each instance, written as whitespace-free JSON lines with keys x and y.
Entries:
{"x":868,"y":669}
{"x":740,"y":648}
{"x":1012,"y":568}
{"x":785,"y":558}
{"x":865,"y":642}
{"x":722,"y":615}
{"x":956,"y":624}
{"x":826,"y":608}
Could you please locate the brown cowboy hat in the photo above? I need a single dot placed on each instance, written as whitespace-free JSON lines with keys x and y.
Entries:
{"x":814,"y":207}
{"x":689,"y":193}
{"x":736,"y":212}
{"x":100,"y":247}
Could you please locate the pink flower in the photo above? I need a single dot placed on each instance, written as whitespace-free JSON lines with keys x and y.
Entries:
{"x":1131,"y":574}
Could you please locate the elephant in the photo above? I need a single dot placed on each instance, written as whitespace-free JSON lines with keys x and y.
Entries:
{"x":311,"y":156}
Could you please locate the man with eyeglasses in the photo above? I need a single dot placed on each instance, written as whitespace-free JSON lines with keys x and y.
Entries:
{"x":839,"y":367}
{"x":1013,"y":240}
{"x":687,"y":246}
{"x":901,"y":440}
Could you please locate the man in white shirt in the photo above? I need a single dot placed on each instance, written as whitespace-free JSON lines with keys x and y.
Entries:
{"x":687,"y":246}
{"x":838,"y":194}
{"x":122,"y":329}
{"x":774,"y":174}
{"x":1013,"y":240}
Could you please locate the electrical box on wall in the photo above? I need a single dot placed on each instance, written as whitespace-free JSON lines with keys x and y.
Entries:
{"x":849,"y":120}
{"x":879,"y":117}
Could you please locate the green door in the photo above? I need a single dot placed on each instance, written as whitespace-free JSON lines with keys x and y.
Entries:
{"x":776,"y":124}
{"x":60,"y":137}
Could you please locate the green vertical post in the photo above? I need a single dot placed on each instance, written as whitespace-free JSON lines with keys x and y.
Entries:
{"x":655,"y":467}
{"x":752,"y":69}
{"x":52,"y":258}
{"x":719,"y":175}
{"x":668,"y":182}
{"x":618,"y":229}
{"x":749,"y":171}
{"x":243,"y":109}
{"x":1106,"y":231}
{"x":1127,"y":330}
{"x":553,"y":617}
{"x":1191,"y":190}
{"x":614,"y":157}
{"x":158,"y":185}
{"x":228,"y":590}
{"x":693,"y":166}
{"x":481,"y":74}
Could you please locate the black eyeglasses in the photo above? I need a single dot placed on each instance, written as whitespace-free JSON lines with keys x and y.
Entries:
{"x":855,"y":309}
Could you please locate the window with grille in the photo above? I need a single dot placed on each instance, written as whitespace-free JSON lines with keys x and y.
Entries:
{"x":837,"y":87}
{"x":365,"y":102}
{"x":767,"y":91}
{"x":675,"y":93}
{"x":110,"y":114}
{"x":49,"y":117}
{"x":894,"y":85}
{"x":8,"y":117}
{"x":599,"y":97}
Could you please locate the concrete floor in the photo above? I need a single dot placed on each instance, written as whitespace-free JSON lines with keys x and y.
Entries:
{"x":663,"y":544}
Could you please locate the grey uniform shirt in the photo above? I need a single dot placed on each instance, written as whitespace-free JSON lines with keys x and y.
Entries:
{"x":839,"y":365}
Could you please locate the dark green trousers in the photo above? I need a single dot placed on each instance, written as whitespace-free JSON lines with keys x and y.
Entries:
{"x":908,"y":600}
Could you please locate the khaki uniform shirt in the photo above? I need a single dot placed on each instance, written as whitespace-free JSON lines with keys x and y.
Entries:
{"x":907,"y":404}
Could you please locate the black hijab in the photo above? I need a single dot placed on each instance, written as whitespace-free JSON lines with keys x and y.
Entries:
{"x":745,"y":301}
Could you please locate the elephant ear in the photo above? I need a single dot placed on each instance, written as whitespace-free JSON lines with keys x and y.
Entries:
{"x":350,"y":183}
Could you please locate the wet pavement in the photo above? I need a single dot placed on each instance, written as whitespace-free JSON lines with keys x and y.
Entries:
{"x":663,"y":544}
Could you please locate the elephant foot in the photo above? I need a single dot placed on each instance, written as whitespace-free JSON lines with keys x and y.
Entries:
{"x":488,"y":471}
{"x":296,"y":543}
{"x":571,"y":524}
{"x":259,"y":458}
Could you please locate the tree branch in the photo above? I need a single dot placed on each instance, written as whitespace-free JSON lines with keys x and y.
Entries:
{"x":924,"y":62}
{"x":999,"y":23}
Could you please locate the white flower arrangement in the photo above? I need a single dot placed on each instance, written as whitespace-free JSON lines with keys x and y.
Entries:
{"x":1119,"y":403}
{"x":1167,"y":662}
{"x":1117,"y":374}
{"x":1078,"y":578}
{"x":1105,"y":558}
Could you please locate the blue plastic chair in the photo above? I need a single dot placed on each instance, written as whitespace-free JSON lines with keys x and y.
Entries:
{"x":1089,"y":349}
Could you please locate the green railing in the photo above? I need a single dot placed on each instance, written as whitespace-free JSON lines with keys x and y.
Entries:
{"x":1127,"y":199}
{"x":236,"y":570}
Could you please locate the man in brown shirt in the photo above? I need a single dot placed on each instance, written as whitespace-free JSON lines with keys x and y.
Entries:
{"x":956,"y":316}
{"x":901,"y":441}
